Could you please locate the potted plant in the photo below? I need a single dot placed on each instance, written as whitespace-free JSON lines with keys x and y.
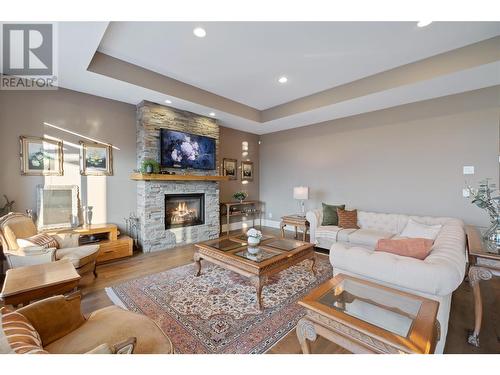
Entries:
{"x":150,"y":166}
{"x":240,"y":196}
{"x":254,"y":237}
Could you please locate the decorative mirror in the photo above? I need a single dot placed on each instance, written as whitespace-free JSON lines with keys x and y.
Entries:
{"x":57,"y":206}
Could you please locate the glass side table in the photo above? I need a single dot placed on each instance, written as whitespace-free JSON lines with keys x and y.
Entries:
{"x":484,"y":259}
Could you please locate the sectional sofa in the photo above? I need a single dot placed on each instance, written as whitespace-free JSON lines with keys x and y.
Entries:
{"x":436,"y":277}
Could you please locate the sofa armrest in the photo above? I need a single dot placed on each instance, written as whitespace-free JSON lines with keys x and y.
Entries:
{"x":54,"y":317}
{"x":427,"y":276}
{"x":314,"y":217}
{"x":19,"y":258}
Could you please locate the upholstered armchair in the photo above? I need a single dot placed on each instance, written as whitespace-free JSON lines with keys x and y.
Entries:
{"x":17,"y":226}
{"x":64,"y":330}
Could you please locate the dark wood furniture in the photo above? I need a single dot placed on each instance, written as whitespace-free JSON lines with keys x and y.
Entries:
{"x":298,"y":222}
{"x":488,"y":256}
{"x":257,"y":263}
{"x":25,"y":284}
{"x":365,"y":317}
{"x":228,"y":210}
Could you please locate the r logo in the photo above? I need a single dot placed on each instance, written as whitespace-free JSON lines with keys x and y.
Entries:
{"x":27,"y":49}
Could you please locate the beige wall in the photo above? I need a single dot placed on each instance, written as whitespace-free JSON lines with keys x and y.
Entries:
{"x":114,"y":197}
{"x":231,"y":148}
{"x":406,"y":159}
{"x":24,"y":112}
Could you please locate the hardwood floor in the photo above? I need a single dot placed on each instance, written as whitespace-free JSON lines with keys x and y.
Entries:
{"x":462,"y":314}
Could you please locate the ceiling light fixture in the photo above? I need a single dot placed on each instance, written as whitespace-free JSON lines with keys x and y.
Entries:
{"x":282,"y":79}
{"x":168,"y":101}
{"x":212,"y":114}
{"x":200,"y":32}
{"x":423,"y":23}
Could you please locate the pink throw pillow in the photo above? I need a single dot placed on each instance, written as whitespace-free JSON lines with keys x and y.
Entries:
{"x":417,"y":248}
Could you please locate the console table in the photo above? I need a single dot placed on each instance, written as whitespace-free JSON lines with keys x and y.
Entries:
{"x":111,"y":245}
{"x":483,"y":259}
{"x":248,"y":208}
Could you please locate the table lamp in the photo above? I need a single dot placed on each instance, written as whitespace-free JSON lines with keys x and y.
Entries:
{"x":301,"y":193}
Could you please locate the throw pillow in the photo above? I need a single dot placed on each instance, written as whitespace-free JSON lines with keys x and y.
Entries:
{"x":330,"y":214}
{"x":17,"y":334}
{"x":41,"y":239}
{"x":417,"y":248}
{"x":414,"y":229}
{"x":348,"y":219}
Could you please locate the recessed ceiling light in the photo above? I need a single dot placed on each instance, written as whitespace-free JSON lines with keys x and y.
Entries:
{"x":282,"y":79}
{"x":212,"y":114}
{"x":200,"y":32}
{"x":168,"y":101}
{"x":423,"y":23}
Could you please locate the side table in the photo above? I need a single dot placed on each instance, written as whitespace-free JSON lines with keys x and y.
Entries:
{"x":298,"y":222}
{"x":490,"y":261}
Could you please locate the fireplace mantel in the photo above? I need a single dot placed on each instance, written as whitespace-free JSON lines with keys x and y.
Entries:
{"x":175,"y":177}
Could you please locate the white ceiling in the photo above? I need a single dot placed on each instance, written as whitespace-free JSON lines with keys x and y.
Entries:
{"x":78,"y":42}
{"x":243,"y":60}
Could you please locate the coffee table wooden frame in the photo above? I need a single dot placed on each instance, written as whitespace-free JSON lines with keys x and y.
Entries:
{"x":25,"y":284}
{"x":257,"y":272}
{"x":358,"y":336}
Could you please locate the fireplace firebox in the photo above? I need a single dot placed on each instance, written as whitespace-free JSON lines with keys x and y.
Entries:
{"x":184,"y":210}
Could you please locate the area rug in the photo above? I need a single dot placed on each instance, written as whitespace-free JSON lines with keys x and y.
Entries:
{"x":216,"y":312}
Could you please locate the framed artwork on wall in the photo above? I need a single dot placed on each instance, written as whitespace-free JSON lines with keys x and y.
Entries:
{"x":41,"y":156}
{"x":247,"y":171}
{"x":57,"y":206}
{"x":96,"y":159}
{"x":230,"y":168}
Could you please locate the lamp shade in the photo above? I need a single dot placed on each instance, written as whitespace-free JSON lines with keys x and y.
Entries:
{"x":301,"y":192}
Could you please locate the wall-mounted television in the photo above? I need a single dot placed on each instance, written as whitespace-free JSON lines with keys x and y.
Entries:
{"x":184,"y":150}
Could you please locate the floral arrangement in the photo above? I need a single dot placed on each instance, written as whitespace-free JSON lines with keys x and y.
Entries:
{"x":254,"y":233}
{"x":188,"y":149}
{"x":483,"y":198}
{"x":240,"y":195}
{"x":150,"y":166}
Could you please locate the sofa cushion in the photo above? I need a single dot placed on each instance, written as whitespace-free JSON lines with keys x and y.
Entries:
{"x":79,"y":256}
{"x":17,"y":334}
{"x":328,"y":231}
{"x":417,"y":248}
{"x":343,"y":234}
{"x":113,"y":325}
{"x":348,"y":219}
{"x":415,"y":229}
{"x":367,"y":237}
{"x":18,"y":227}
{"x":330,"y":216}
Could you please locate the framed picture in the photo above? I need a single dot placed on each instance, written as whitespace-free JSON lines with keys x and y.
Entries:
{"x":247,"y":171}
{"x":57,"y":206}
{"x":41,"y":156}
{"x":230,"y":168}
{"x":96,"y":159}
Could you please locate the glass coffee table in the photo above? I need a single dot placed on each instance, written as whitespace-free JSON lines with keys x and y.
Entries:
{"x":271,"y":256}
{"x":365,"y":317}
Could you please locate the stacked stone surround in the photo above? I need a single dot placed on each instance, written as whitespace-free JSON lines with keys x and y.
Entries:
{"x":153,"y":236}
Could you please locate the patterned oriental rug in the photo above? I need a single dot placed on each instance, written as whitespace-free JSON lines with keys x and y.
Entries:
{"x":215,"y":312}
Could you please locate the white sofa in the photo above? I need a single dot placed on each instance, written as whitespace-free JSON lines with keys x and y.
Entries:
{"x":436,"y":277}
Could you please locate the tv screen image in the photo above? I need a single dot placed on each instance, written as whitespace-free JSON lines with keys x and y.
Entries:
{"x":184,"y":150}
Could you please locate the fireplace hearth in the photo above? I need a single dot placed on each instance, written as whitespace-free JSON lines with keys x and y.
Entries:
{"x":184,"y":210}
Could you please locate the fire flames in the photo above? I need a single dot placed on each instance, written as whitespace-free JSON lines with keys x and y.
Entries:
{"x":182,"y":213}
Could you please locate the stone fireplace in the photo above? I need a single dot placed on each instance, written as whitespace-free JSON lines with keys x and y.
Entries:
{"x":184,"y":210}
{"x":174,"y":212}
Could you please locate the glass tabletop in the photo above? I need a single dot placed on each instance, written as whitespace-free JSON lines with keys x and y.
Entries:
{"x":283,"y":244}
{"x":256,"y":254}
{"x":226,"y":244}
{"x":382,"y":308}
